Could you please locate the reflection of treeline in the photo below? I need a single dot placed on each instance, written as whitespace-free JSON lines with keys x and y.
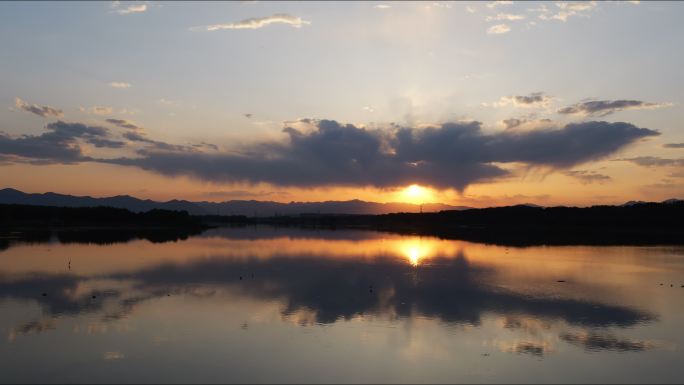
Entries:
{"x":98,"y":236}
{"x":48,"y":216}
{"x":648,"y":223}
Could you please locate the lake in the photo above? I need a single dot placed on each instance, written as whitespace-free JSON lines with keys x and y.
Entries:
{"x":262,"y":304}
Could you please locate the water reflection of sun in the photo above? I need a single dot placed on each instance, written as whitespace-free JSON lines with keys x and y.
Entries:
{"x":414,"y":251}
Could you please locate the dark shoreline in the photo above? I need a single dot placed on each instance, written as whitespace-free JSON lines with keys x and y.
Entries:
{"x":641,"y":224}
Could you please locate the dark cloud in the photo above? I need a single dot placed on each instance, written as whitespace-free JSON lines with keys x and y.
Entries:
{"x":43,"y":111}
{"x":242,"y":194}
{"x":452,"y":155}
{"x":122,"y":123}
{"x":61,"y":144}
{"x":654,"y":161}
{"x":587,"y":177}
{"x":155,"y":144}
{"x":106,"y":143}
{"x":534,"y":98}
{"x":206,"y":145}
{"x":674,"y":145}
{"x":327,"y":153}
{"x":523,"y":122}
{"x":513,"y":122}
{"x":607,"y":107}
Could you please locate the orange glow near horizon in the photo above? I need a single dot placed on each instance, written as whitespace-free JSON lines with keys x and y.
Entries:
{"x":554,"y":189}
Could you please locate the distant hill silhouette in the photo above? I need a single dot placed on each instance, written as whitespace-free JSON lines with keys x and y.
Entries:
{"x":232,"y":207}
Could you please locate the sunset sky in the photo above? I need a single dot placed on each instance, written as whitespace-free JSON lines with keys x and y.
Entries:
{"x":478,"y":104}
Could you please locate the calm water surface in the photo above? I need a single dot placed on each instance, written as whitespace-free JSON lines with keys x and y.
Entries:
{"x":293,"y":305}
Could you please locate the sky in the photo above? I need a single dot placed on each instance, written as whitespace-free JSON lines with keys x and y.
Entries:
{"x":465,"y":103}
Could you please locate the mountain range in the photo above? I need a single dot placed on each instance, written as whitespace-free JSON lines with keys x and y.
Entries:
{"x":232,"y":207}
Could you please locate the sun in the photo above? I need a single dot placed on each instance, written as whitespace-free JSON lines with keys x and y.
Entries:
{"x":415,"y":194}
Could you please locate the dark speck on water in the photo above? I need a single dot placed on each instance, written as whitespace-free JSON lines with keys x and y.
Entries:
{"x":44,"y":294}
{"x":561,"y":281}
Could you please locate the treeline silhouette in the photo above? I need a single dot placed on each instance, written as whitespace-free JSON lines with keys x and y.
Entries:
{"x":644,"y":223}
{"x":13,"y":216}
{"x":637,"y":224}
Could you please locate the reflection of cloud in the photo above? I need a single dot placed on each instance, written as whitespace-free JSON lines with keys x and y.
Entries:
{"x":595,"y":342}
{"x":337,"y":289}
{"x":526,"y":347}
{"x":331,"y":288}
{"x":32,"y":327}
{"x":113,"y":355}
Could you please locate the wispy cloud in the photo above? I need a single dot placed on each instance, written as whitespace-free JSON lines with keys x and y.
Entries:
{"x":505,"y":16}
{"x":587,"y":177}
{"x":533,"y":100}
{"x":122,"y":123}
{"x":382,"y":6}
{"x":674,"y":145}
{"x":260,"y":22}
{"x":607,"y":107}
{"x":168,"y":102}
{"x":494,"y":4}
{"x":566,"y":9}
{"x":98,"y":110}
{"x":135,"y":8}
{"x":498,"y":29}
{"x":42,"y":111}
{"x":120,"y":85}
{"x":655,"y":161}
